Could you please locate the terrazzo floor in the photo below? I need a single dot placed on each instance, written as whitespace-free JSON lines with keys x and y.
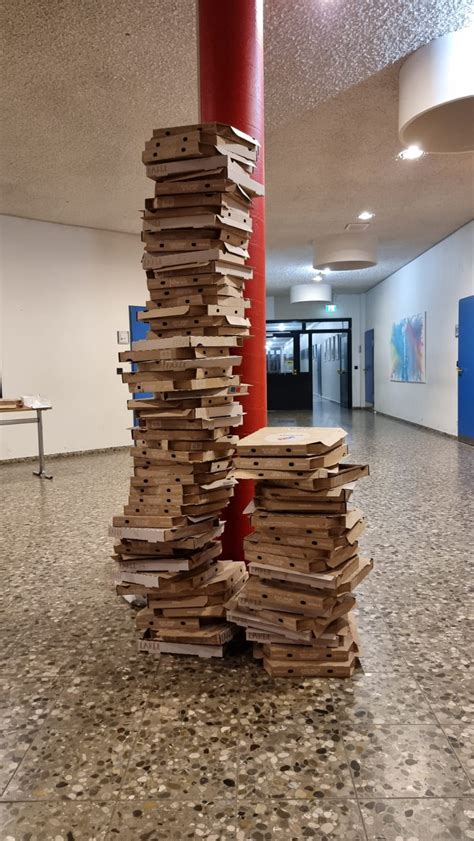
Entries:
{"x":99,"y":743}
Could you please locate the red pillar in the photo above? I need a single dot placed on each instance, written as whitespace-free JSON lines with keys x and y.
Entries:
{"x":231,"y":91}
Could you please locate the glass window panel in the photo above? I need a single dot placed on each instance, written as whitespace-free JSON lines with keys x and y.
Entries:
{"x":280,"y":354}
{"x":327,"y":325}
{"x":283,"y":326}
{"x":304,"y":353}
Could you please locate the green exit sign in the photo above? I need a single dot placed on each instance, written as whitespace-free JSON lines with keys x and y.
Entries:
{"x":330,"y":307}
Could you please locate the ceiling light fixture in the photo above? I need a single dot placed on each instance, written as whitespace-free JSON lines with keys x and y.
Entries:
{"x":412,"y":153}
{"x":365,"y":215}
{"x":436,"y":95}
{"x":345,"y":252}
{"x":318,"y":278}
{"x":305,"y":292}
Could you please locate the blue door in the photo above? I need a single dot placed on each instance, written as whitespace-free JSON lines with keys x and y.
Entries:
{"x":369,"y":366}
{"x":138,"y":331}
{"x":466,"y":370}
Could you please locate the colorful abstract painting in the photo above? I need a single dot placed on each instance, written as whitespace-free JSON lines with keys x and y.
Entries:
{"x":407,"y":349}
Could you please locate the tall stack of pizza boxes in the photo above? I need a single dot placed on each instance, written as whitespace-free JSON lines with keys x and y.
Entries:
{"x":196,"y":231}
{"x":303,"y":553}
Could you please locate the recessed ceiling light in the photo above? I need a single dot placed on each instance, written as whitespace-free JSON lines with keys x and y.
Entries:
{"x":318,"y":278}
{"x":412,"y":153}
{"x":365,"y":215}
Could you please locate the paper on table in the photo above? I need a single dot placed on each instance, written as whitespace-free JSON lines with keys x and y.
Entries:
{"x":36,"y":401}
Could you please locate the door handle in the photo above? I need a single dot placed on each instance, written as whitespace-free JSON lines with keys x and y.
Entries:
{"x":459,"y":370}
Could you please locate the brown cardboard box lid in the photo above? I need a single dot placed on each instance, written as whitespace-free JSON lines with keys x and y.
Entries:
{"x":184,"y":341}
{"x":223,"y":129}
{"x":290,"y":439}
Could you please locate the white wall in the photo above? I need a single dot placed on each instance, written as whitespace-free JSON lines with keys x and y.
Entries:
{"x":65,"y":293}
{"x":433,"y":283}
{"x":348,"y":306}
{"x":270,"y":307}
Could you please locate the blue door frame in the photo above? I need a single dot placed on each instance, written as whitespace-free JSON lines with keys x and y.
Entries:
{"x":465,"y":368}
{"x":369,"y":366}
{"x":138,"y":331}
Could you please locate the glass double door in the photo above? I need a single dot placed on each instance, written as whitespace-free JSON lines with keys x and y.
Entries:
{"x":344,"y":371}
{"x":289,"y":370}
{"x":332,"y":367}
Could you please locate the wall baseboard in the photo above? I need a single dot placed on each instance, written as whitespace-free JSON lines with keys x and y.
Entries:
{"x":416,"y":425}
{"x":72,"y":454}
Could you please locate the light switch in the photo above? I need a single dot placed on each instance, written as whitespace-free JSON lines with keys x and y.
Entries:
{"x":123,"y":337}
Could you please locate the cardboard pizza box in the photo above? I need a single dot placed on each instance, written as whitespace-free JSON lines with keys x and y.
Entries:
{"x":291,"y":441}
{"x":222,"y":166}
{"x":299,"y":465}
{"x":328,"y":580}
{"x":310,"y":669}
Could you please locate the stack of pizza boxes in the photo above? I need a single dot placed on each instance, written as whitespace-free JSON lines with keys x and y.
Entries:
{"x":196,"y":231}
{"x":303,"y":554}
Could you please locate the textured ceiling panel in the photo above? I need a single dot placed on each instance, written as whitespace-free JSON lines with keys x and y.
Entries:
{"x":84,"y":82}
{"x":316,"y":48}
{"x":341,"y":161}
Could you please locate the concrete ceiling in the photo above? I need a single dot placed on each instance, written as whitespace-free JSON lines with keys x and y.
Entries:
{"x":85,"y":82}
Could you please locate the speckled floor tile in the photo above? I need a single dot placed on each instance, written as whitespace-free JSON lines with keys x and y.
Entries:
{"x":28,"y":658}
{"x":25,"y":702}
{"x":296,"y":759}
{"x":269,"y":701}
{"x":451,"y":697}
{"x":380,"y":653}
{"x":461,"y":739}
{"x":404,"y":761}
{"x":75,"y":756}
{"x":83,"y":697}
{"x":154,"y":820}
{"x":419,"y":820}
{"x":381,"y":698}
{"x":436,"y":651}
{"x":292,"y":820}
{"x":54,"y":821}
{"x":12,"y":750}
{"x":197,"y":688}
{"x":176,"y":761}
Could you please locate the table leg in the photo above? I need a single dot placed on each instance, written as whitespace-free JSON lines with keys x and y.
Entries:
{"x":41,"y":472}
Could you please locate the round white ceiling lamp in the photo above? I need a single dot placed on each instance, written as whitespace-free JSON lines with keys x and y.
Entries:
{"x":306,"y":292}
{"x":345,"y":252}
{"x":436,"y":97}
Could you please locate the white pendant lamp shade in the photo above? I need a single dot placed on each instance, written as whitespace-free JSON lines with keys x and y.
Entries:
{"x":345,"y":252}
{"x":306,"y":292}
{"x":436,"y":102}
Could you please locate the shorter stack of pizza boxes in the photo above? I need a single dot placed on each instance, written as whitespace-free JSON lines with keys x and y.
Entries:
{"x":196,"y":230}
{"x":303,"y":554}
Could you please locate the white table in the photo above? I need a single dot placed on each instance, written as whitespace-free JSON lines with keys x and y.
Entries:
{"x":38,"y":419}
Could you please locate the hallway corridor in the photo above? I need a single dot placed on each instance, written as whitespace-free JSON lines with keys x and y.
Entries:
{"x":101,"y":743}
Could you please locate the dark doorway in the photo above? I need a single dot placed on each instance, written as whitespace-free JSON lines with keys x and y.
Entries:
{"x":369,"y":366}
{"x":288,"y":369}
{"x":306,"y":359}
{"x":344,"y":370}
